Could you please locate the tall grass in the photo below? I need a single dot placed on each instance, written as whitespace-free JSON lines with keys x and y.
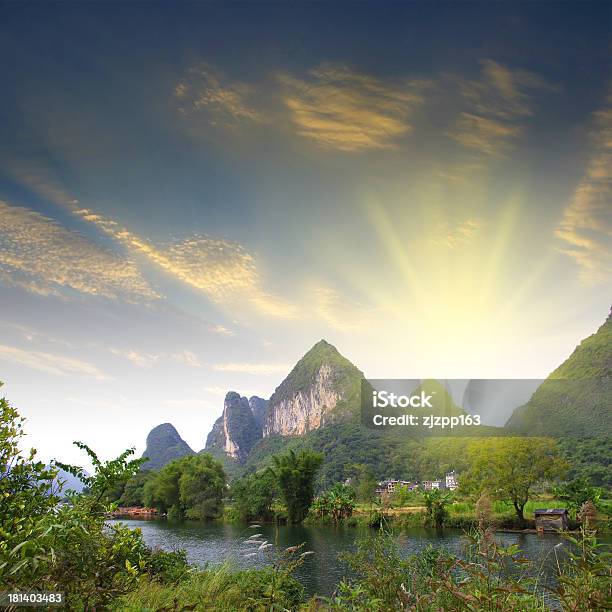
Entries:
{"x":219,"y":588}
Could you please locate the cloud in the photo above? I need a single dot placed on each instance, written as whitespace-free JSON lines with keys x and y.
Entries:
{"x":346,"y":111}
{"x":220,"y":329}
{"x":496,"y":102}
{"x":462,"y":234}
{"x":50,"y":363}
{"x":586,"y":226}
{"x":148,"y":360}
{"x":205,"y":90}
{"x":502,"y":92}
{"x":264,"y":369}
{"x":223,"y":270}
{"x":488,"y":136}
{"x":41,"y":256}
{"x":142,"y":360}
{"x":187,"y":358}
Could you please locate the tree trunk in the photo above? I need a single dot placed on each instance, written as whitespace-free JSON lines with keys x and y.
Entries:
{"x":519,"y":512}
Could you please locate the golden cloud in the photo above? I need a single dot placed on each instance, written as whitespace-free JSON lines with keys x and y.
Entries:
{"x":204,"y":89}
{"x":496,"y":101}
{"x":221,"y":269}
{"x":41,"y":256}
{"x":502,"y":92}
{"x":586,"y":226}
{"x":488,"y":136}
{"x":340,"y":109}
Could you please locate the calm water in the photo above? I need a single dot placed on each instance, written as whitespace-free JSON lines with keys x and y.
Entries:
{"x":321,"y":572}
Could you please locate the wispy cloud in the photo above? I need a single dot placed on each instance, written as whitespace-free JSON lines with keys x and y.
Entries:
{"x":586,"y":226}
{"x":503,"y":92}
{"x":226,"y":102}
{"x":39,"y":255}
{"x":225,"y":271}
{"x":264,"y":369}
{"x":487,"y":136}
{"x":138,"y":358}
{"x":461,"y":234}
{"x":148,"y":360}
{"x":340,"y":109}
{"x":496,"y":102}
{"x":221,"y":329}
{"x":51,"y":363}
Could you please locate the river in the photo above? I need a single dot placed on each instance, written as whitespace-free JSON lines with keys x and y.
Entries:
{"x":321,"y":572}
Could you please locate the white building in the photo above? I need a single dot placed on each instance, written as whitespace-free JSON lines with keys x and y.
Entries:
{"x":451,"y":481}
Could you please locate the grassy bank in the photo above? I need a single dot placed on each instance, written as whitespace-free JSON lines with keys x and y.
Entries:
{"x":490,"y":577}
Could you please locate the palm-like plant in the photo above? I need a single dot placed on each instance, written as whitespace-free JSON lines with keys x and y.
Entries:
{"x":295,"y":474}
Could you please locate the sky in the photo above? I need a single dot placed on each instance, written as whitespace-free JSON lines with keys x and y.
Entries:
{"x":193,"y":194}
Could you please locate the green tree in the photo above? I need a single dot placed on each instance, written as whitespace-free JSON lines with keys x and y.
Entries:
{"x":191,"y":487}
{"x":436,"y":503}
{"x":295,"y":475}
{"x":511,"y":468}
{"x":65,"y":547}
{"x":402,"y":496}
{"x":254,"y":495}
{"x":108,"y":474}
{"x":363,"y":481}
{"x":133,"y":490}
{"x":27,"y":491}
{"x":338,"y":503}
{"x":202,"y":487}
{"x":576,"y":492}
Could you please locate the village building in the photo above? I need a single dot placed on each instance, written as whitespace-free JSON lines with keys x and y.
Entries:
{"x":451,"y":481}
{"x":389,"y":486}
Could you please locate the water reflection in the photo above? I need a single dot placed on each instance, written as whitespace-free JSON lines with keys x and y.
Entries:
{"x":215,"y":543}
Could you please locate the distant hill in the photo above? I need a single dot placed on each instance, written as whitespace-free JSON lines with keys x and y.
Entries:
{"x":164,"y":444}
{"x":323,"y":387}
{"x":576,"y":399}
{"x":317,"y":406}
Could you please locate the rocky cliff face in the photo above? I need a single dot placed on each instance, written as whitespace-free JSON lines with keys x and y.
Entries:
{"x":238,"y":428}
{"x":321,"y":388}
{"x":164,"y":444}
{"x":258,"y":408}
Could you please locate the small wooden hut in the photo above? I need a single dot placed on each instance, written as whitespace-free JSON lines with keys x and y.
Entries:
{"x":551,"y":519}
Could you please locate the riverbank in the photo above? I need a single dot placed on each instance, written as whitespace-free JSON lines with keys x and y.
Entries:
{"x":229,"y":571}
{"x":460,"y":516}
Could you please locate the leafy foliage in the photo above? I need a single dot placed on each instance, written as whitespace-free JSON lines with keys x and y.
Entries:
{"x":107,"y":473}
{"x":436,"y":503}
{"x":191,"y":487}
{"x":511,"y":468}
{"x":576,"y":492}
{"x":338,"y":503}
{"x":254,"y":495}
{"x":295,"y":474}
{"x":63,"y":547}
